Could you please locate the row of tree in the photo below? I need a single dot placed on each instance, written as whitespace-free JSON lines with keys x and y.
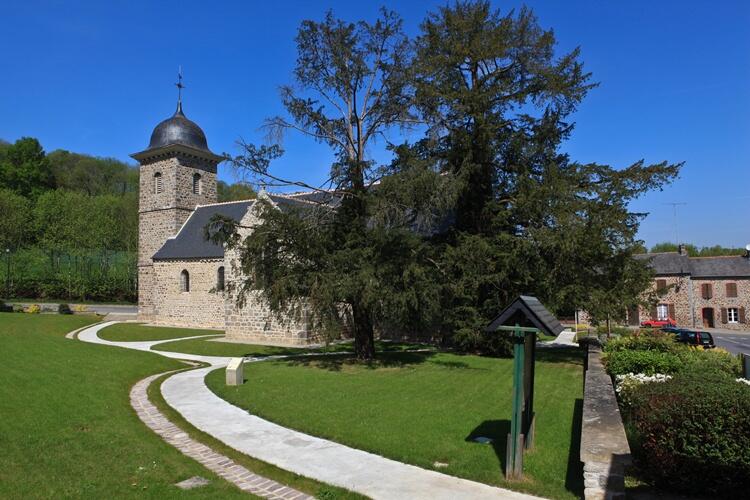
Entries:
{"x":696,"y":251}
{"x":484,"y":207}
{"x":70,"y":222}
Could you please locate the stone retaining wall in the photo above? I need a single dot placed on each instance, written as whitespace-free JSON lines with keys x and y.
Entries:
{"x":604,"y":446}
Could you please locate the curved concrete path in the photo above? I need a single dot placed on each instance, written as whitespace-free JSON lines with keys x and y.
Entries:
{"x":320,"y":459}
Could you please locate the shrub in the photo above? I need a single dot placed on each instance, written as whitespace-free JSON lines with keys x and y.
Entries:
{"x":713,"y":360}
{"x":621,"y":331}
{"x":17,"y":308}
{"x":692,"y":433}
{"x":34,"y":309}
{"x":80,"y":308}
{"x":6,"y":308}
{"x":498,"y":344}
{"x":64,"y":309}
{"x":645,"y":341}
{"x":648,"y":362}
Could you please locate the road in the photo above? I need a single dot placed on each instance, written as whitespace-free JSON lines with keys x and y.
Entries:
{"x":734,"y":342}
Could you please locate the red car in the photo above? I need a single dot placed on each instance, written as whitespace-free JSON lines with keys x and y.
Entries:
{"x":658,"y":323}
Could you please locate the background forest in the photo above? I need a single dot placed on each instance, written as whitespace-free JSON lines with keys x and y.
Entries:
{"x":69,"y":224}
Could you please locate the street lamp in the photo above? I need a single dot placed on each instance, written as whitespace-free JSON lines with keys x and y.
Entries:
{"x":7,"y":274}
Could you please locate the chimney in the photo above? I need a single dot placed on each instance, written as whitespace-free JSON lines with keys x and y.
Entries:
{"x":682,"y":249}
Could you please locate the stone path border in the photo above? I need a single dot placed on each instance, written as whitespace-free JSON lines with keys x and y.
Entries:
{"x":221,"y":465}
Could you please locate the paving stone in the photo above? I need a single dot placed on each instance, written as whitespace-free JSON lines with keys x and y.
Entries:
{"x":219,"y":464}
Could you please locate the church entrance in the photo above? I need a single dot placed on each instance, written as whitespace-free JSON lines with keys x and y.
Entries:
{"x":708,"y":317}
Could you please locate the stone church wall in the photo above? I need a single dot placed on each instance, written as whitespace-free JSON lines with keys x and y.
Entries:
{"x":200,"y":307}
{"x":254,"y":322}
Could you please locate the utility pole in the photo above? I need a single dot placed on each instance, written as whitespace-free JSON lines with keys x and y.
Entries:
{"x":674,"y":213}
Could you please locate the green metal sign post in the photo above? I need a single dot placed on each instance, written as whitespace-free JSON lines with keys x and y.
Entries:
{"x":528,"y":311}
{"x":521,"y":435}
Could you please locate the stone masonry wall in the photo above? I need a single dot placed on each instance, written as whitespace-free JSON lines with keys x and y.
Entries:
{"x":161,"y":215}
{"x":720,"y":300}
{"x":200,"y":307}
{"x":679,"y":293}
{"x":605,"y":451}
{"x":254,"y":321}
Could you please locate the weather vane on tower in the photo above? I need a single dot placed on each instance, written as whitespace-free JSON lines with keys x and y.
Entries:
{"x":179,"y":86}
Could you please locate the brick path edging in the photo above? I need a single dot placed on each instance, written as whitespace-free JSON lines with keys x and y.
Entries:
{"x":220,"y":464}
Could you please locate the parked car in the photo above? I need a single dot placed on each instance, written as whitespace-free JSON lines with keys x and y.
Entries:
{"x":696,"y":338}
{"x":691,"y":337}
{"x":658,"y":323}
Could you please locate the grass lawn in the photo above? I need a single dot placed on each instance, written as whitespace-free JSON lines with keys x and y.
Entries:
{"x":132,"y":332}
{"x":66,"y":426}
{"x":423,"y":408}
{"x":208,"y":347}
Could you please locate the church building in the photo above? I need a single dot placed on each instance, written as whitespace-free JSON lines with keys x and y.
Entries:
{"x":183,"y":279}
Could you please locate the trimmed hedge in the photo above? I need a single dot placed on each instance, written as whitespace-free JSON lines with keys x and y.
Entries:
{"x":692,"y":433}
{"x":648,"y":362}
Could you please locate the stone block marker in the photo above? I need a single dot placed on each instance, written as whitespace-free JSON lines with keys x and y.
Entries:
{"x":219,"y":464}
{"x":604,"y":446}
{"x":235,"y":375}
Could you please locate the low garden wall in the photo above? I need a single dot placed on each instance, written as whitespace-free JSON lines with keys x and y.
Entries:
{"x":604,"y":446}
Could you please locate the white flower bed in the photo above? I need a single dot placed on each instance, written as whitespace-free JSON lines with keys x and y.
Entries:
{"x":743,"y":381}
{"x":624,"y":384}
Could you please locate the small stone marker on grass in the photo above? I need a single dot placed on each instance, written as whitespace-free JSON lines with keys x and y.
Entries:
{"x":234,"y":372}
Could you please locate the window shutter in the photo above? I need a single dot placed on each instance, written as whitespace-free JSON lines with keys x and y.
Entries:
{"x":661,"y":285}
{"x":707,"y":290}
{"x":724,"y":315}
{"x":742,"y":314}
{"x":731,"y":289}
{"x":671,"y":311}
{"x":654,"y":313}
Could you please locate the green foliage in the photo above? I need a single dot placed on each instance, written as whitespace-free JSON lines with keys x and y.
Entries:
{"x":656,"y":352}
{"x":648,"y":362}
{"x":64,"y":309}
{"x":25,"y":169}
{"x":694,"y":251}
{"x":499,"y":209}
{"x":692,"y":434}
{"x":497,"y":99}
{"x":92,"y":175}
{"x":645,"y":341}
{"x":352,"y":85}
{"x":15,"y":221}
{"x":233,"y":192}
{"x":697,"y":360}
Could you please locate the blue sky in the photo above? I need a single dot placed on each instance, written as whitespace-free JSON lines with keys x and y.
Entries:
{"x":96,"y":77}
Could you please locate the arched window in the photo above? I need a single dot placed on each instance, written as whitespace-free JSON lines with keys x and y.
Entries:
{"x":197,"y":184}
{"x":220,"y":278}
{"x":184,"y":281}
{"x":157,"y":183}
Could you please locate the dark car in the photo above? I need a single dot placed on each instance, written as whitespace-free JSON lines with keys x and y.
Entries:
{"x":696,"y":338}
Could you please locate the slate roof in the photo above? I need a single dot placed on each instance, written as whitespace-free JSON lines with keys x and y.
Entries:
{"x":189,"y":242}
{"x":527,"y":311}
{"x":667,"y":262}
{"x":672,"y":263}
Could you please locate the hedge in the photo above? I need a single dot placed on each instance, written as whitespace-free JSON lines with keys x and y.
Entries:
{"x":692,"y":433}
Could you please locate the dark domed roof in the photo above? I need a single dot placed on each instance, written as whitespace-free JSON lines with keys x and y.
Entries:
{"x":178,"y":130}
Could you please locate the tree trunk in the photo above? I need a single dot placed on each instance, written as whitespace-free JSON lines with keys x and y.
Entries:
{"x":364,"y":339}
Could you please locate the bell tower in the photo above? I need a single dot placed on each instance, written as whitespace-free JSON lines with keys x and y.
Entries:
{"x":177,"y":173}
